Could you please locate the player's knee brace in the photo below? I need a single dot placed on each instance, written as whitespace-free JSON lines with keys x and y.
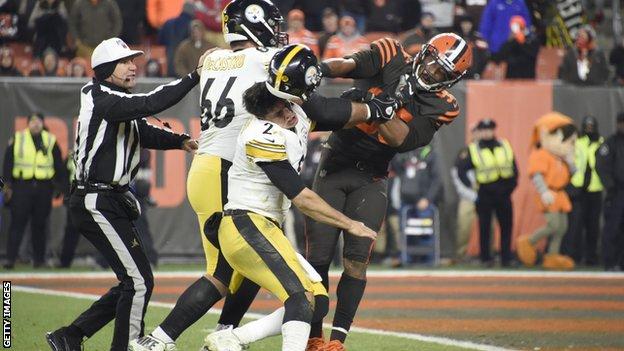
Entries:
{"x":298,"y":308}
{"x":321,"y":307}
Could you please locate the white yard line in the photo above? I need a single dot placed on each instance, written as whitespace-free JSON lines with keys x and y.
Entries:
{"x":412,"y":336}
{"x":372,"y":274}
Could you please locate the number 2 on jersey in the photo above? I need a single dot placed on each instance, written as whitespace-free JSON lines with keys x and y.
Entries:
{"x":208,"y":114}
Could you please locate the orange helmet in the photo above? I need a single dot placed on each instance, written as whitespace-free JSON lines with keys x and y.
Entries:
{"x":442,"y":62}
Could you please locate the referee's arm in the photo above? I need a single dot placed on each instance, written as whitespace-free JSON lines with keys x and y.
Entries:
{"x":117,"y":106}
{"x":160,"y":139}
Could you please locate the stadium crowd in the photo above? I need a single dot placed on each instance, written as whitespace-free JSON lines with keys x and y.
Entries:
{"x":51,"y":38}
{"x":55,"y":37}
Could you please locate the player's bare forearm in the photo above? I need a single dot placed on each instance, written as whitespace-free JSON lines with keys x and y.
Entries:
{"x":338,"y":67}
{"x":359,"y":114}
{"x":316,"y":208}
{"x":394,"y":132}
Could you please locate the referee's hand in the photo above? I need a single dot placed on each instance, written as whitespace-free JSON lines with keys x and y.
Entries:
{"x":190,"y":145}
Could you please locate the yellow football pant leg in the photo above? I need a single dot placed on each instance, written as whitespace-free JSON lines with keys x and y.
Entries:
{"x":258,"y":249}
{"x":204,"y":188}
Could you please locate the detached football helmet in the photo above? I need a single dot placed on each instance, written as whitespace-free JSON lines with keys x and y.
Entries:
{"x":257,"y":20}
{"x":442,"y":62}
{"x":294,"y":72}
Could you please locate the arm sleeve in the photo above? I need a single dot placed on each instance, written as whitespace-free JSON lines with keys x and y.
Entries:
{"x":537,"y":162}
{"x":60,"y":171}
{"x":160,"y":139}
{"x":117,"y":106}
{"x":436,"y":181}
{"x":284,"y":177}
{"x":369,"y":63}
{"x":464,"y":191}
{"x":464,"y":165}
{"x":421,"y":131}
{"x":605,"y":159}
{"x":328,"y":113}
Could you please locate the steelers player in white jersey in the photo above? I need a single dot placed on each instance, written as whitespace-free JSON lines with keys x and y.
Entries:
{"x":252,"y":30}
{"x":263,"y":180}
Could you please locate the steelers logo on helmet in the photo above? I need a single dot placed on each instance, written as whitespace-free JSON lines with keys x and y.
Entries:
{"x":254,"y":13}
{"x":312,"y":76}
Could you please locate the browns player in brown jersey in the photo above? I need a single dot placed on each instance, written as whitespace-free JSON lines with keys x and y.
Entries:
{"x":352,"y":172}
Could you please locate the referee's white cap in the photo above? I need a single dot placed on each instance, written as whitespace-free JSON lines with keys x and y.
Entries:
{"x":110,"y":50}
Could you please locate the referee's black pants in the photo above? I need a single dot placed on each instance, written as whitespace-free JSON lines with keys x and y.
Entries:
{"x":101,"y":218}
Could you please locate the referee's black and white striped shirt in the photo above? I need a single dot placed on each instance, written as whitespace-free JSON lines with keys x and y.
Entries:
{"x":112,"y":128}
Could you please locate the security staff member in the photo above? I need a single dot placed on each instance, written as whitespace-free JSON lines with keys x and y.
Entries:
{"x":610,"y":167}
{"x":110,"y":132}
{"x":497,"y":175}
{"x":585,"y":191}
{"x":32,"y":162}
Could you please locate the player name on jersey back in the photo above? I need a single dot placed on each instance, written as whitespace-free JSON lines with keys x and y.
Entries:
{"x":225,"y":77}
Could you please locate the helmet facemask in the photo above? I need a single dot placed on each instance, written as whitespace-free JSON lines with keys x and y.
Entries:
{"x":434,"y":72}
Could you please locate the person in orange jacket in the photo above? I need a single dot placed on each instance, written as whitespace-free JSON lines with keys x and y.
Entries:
{"x":297,"y":32}
{"x":551,"y":164}
{"x":347,"y":41}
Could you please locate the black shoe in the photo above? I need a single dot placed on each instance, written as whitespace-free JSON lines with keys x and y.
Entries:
{"x":60,"y":340}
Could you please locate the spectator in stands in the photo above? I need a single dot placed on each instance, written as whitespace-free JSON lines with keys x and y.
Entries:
{"x":7,"y":63}
{"x":298,"y":34}
{"x":464,"y":27}
{"x":330,"y":27}
{"x":419,"y":174}
{"x":49,"y":65}
{"x":209,"y":12}
{"x":314,"y":10}
{"x":384,"y":16}
{"x":190,"y":50}
{"x":133,"y":17}
{"x":470,"y":8}
{"x":520,"y":50}
{"x":174,"y":31}
{"x":48,"y":20}
{"x":347,"y":41}
{"x":77,"y":68}
{"x":412,"y":13}
{"x":160,"y":11}
{"x":8,"y":20}
{"x":494,"y":24}
{"x":92,"y":21}
{"x":616,"y":58}
{"x":153,"y":69}
{"x":415,"y":38}
{"x":585,"y":63}
{"x":356,"y":9}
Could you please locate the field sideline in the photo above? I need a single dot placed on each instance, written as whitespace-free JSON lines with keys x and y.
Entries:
{"x":402,"y":310}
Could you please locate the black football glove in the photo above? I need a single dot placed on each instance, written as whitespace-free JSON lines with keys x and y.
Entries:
{"x":405,"y":93}
{"x":382,"y":108}
{"x":357,"y":95}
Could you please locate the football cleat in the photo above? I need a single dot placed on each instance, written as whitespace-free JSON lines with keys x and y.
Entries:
{"x":60,"y":340}
{"x":150,"y":343}
{"x":223,"y":340}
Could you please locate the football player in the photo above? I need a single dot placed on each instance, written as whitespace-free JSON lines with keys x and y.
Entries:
{"x":353,"y":166}
{"x":263,"y":180}
{"x":252,"y":28}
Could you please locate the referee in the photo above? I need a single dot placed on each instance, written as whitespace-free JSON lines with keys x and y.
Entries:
{"x":110,"y":133}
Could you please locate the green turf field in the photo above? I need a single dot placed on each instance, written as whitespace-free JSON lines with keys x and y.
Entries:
{"x":34,"y":314}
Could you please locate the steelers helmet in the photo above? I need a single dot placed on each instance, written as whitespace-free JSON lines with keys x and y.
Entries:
{"x":294,"y":72}
{"x":256,"y":20}
{"x":442,"y":62}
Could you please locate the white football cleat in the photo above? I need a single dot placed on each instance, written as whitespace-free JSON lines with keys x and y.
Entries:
{"x":150,"y":343}
{"x":223,"y":340}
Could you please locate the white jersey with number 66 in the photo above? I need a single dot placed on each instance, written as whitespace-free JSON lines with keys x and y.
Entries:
{"x":225,"y":76}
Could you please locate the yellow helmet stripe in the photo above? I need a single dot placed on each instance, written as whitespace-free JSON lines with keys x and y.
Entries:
{"x":282,"y":67}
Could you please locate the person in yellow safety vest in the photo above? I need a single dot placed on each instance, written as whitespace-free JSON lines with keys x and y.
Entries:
{"x":32,"y":166}
{"x":585,"y":191}
{"x":496,"y":173}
